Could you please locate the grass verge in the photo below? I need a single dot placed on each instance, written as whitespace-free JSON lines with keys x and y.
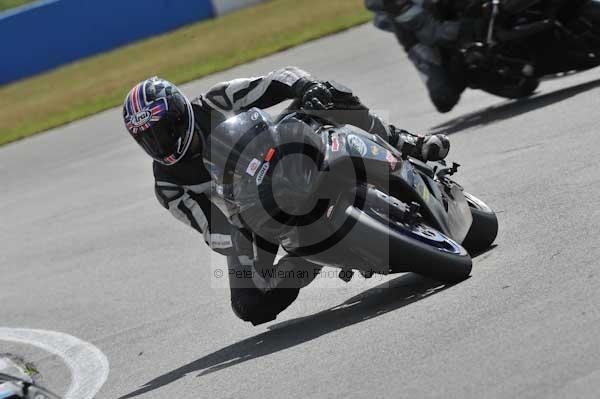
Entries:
{"x":8,"y":4}
{"x":101,"y":82}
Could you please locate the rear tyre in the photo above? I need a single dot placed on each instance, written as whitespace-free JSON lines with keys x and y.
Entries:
{"x":484,"y":229}
{"x":590,"y":13}
{"x":525,"y":88}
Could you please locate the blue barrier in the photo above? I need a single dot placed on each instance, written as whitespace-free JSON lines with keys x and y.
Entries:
{"x":50,"y":33}
{"x":224,"y":6}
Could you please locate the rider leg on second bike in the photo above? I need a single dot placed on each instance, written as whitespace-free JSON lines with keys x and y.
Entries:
{"x":423,"y":36}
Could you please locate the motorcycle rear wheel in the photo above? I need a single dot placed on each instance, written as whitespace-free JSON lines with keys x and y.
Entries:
{"x":524,"y":89}
{"x":590,"y":12}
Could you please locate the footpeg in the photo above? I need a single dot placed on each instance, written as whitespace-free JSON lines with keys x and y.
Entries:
{"x":448,"y":171}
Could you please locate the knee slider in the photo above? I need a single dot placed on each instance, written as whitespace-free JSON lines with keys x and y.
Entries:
{"x":251,"y":307}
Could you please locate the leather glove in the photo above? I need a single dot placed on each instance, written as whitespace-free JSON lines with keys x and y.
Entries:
{"x":343,"y":98}
{"x":317,"y":96}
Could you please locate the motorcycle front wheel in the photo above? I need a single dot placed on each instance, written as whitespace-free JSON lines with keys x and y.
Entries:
{"x":484,"y":229}
{"x":418,"y":247}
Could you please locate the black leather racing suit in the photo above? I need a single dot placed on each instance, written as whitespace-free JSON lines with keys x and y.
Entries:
{"x":422,"y":35}
{"x":185,"y":189}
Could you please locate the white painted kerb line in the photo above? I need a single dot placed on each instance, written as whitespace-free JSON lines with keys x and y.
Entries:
{"x":87,"y":364}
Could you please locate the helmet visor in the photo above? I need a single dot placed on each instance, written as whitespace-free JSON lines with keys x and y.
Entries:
{"x":166,"y":139}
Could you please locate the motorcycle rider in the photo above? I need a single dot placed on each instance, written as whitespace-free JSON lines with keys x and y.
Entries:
{"x":422,"y":35}
{"x":172,"y":129}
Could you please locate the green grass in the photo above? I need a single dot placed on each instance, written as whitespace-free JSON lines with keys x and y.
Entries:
{"x":8,"y":4}
{"x":101,"y":82}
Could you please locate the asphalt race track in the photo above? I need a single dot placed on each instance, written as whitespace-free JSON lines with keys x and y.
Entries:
{"x":87,"y":251}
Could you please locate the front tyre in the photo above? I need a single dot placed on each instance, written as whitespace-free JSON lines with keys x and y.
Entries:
{"x":419,"y":248}
{"x":484,"y":229}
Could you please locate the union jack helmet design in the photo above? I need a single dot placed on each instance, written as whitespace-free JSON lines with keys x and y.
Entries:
{"x":160,"y":118}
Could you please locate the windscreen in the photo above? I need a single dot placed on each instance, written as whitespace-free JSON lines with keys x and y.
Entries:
{"x":234,"y":153}
{"x":262,"y":170}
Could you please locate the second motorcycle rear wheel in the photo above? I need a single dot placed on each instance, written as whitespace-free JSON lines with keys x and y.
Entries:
{"x":525,"y":88}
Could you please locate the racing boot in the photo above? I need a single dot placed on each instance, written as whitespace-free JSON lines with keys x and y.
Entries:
{"x":434,"y":147}
{"x":443,"y":91}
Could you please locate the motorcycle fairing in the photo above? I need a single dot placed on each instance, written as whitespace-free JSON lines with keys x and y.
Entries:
{"x":449,"y":210}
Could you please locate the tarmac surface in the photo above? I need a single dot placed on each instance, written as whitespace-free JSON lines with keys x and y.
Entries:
{"x":87,"y":251}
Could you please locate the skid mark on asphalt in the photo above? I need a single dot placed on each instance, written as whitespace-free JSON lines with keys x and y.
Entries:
{"x":87,"y":364}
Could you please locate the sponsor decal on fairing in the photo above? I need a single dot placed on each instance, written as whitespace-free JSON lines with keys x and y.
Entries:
{"x":392,"y":160}
{"x":357,"y":144}
{"x":262,"y":173}
{"x":253,"y":167}
{"x":335,"y":143}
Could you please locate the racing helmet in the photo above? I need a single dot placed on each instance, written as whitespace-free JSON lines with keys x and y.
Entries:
{"x":160,"y":119}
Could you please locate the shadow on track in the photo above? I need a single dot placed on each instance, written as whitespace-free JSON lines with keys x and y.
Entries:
{"x":387,"y":297}
{"x":511,"y":109}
